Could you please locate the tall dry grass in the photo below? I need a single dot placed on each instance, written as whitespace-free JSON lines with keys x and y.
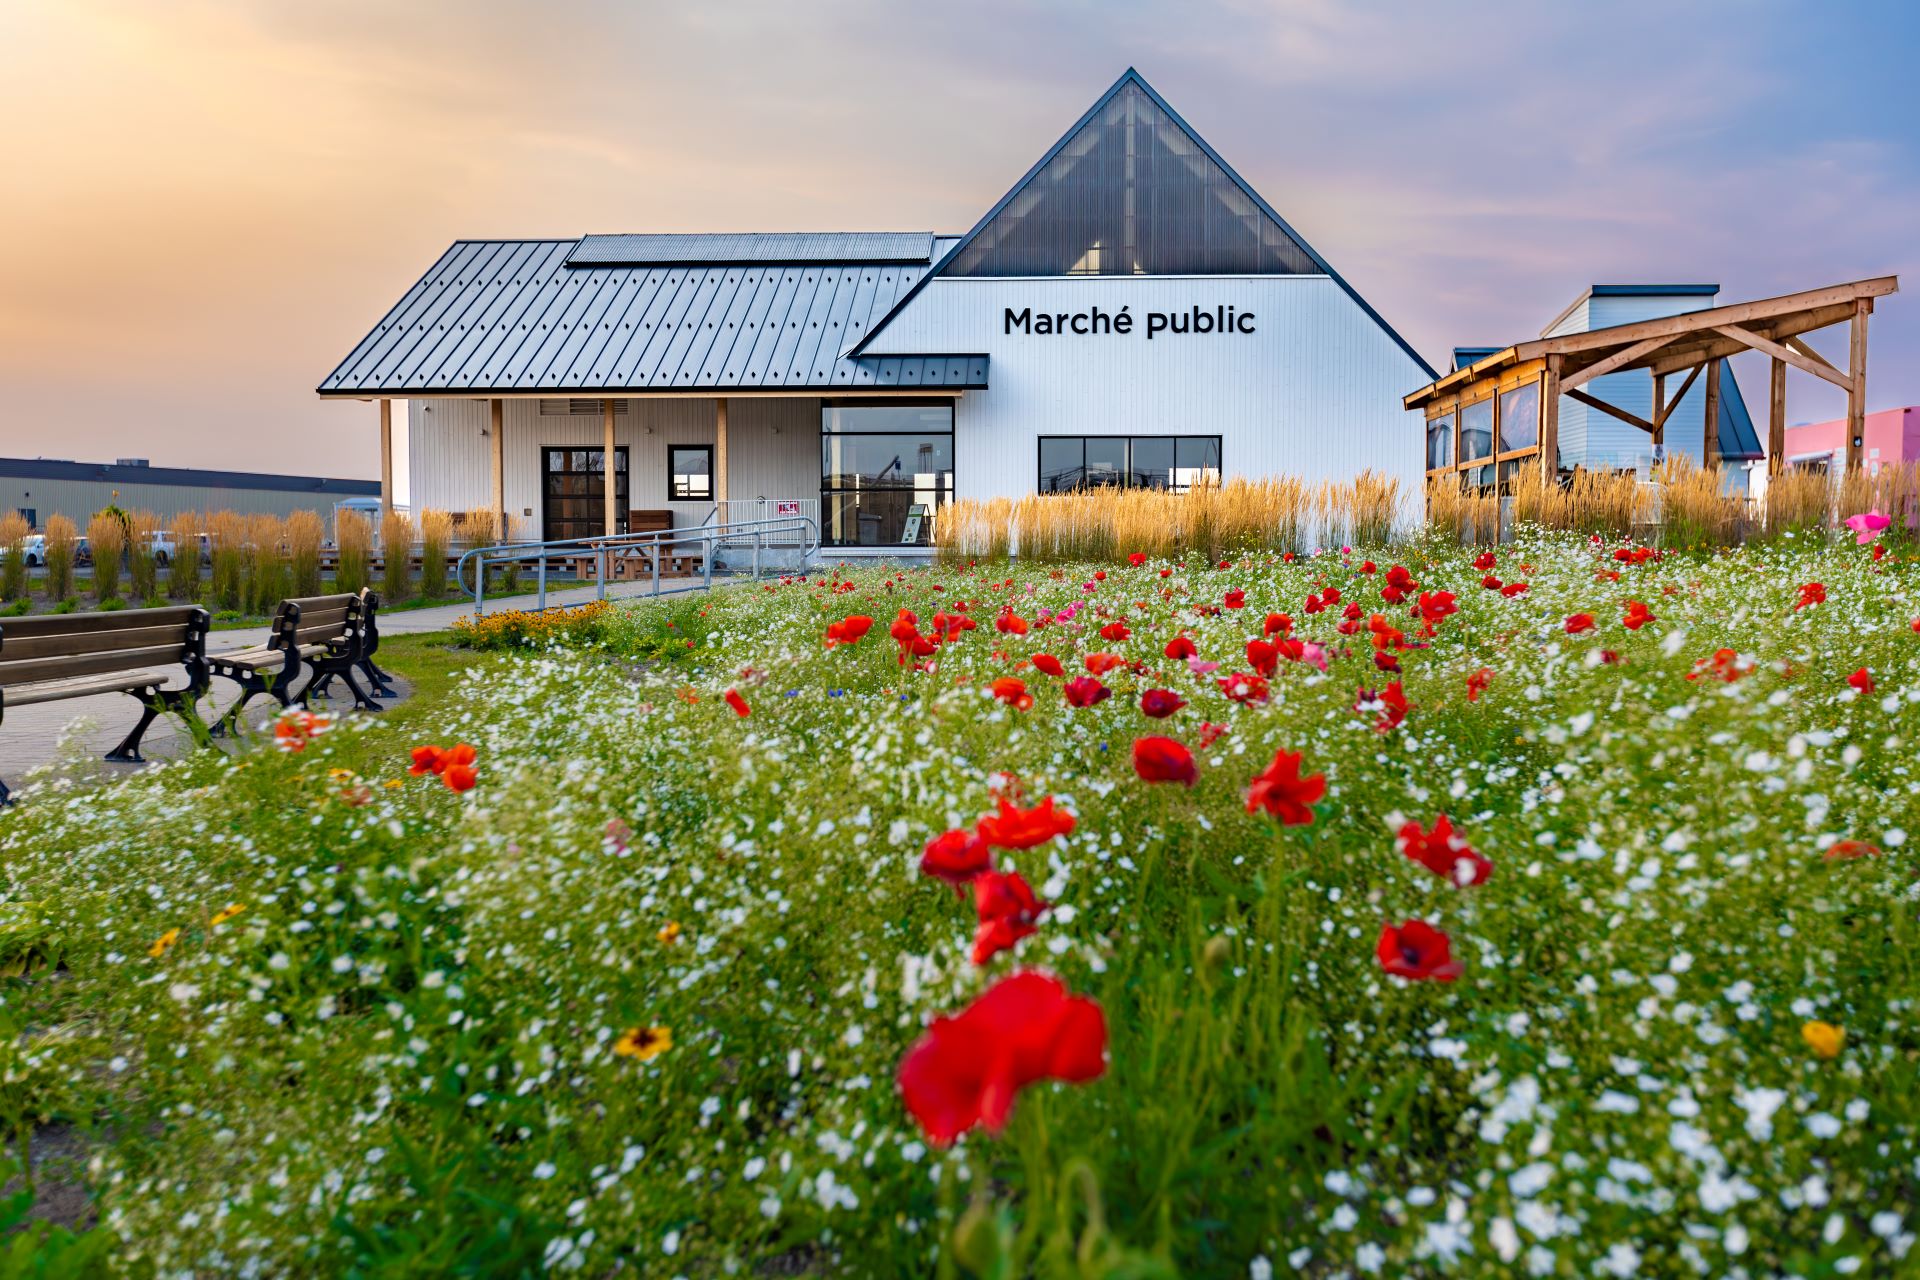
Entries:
{"x":353,"y":536}
{"x":62,"y":536}
{"x":107,"y":541}
{"x":227,"y":531}
{"x":1798,"y":502}
{"x":305,"y":532}
{"x":183,"y":570}
{"x":396,"y":548}
{"x":1694,"y":510}
{"x":268,"y":574}
{"x":1893,"y":490}
{"x":436,"y":536}
{"x":13,"y":556}
{"x":142,"y":573}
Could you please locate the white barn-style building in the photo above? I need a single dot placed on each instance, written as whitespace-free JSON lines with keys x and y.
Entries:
{"x":1131,"y":312}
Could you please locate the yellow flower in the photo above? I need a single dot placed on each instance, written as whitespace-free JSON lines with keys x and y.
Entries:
{"x":394,"y":784}
{"x":1823,"y":1038}
{"x":643,"y":1042}
{"x":339,"y":773}
{"x":671,"y":933}
{"x":160,"y":944}
{"x":228,"y":912}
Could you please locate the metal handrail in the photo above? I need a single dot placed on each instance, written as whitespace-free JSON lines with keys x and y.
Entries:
{"x":654,"y":543}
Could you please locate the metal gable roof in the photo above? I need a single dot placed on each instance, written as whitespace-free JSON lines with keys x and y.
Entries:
{"x":1132,"y":77}
{"x":191,"y":477}
{"x":728,"y":248}
{"x":522,"y":316}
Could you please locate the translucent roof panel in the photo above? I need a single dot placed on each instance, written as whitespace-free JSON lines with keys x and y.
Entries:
{"x":1131,"y":192}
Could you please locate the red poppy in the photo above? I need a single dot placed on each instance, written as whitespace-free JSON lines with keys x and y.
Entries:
{"x":1862,"y":681}
{"x":1848,"y":850}
{"x":1444,"y":852}
{"x":1277,"y":622}
{"x":1491,"y":583}
{"x":1163,"y":760}
{"x":1161,"y":703}
{"x":1210,"y":733}
{"x":1008,"y":911}
{"x":1099,"y":664}
{"x":1085,"y":691}
{"x":1115,"y":631}
{"x":966,"y":1070}
{"x":1013,"y":828}
{"x":1637,"y":616}
{"x":848,"y":630}
{"x":1435,"y":606}
{"x":460,"y":753}
{"x":1579,"y":622}
{"x":1013,"y":691}
{"x":1244,"y":686}
{"x":1283,"y":793}
{"x":738,"y":703}
{"x":1399,"y":584}
{"x":1010,"y":623}
{"x":1810,"y":593}
{"x":1417,"y":952}
{"x":956,"y":856}
{"x":1485,"y":561}
{"x":1137,"y":559}
{"x":1477,"y":683}
{"x":426,"y":759}
{"x":1513,"y":589}
{"x":1234,"y":599}
{"x":1181,"y":647}
{"x":1047,"y":664}
{"x":460,"y":777}
{"x":1367,"y":566}
{"x":1262,"y":657}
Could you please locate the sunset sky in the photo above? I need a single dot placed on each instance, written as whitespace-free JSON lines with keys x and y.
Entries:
{"x":205,"y":205}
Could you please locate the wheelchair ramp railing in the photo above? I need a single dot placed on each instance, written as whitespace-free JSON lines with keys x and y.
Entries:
{"x":638,"y":557}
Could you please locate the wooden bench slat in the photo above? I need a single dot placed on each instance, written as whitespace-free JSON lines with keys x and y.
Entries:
{"x":84,"y":686}
{"x":87,"y":664}
{"x":85,"y":624}
{"x":309,"y":604}
{"x":16,"y":648}
{"x":334,"y":618}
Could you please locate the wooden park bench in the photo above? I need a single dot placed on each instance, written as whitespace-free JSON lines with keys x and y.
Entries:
{"x":132,"y":651}
{"x":324,"y":634}
{"x":380,"y":684}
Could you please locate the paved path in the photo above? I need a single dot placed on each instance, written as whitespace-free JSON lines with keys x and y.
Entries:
{"x":72,"y":736}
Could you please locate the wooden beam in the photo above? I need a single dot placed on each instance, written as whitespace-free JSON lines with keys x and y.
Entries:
{"x":1710,"y":418}
{"x":1660,"y":410}
{"x":1626,"y":355}
{"x":1777,"y":418}
{"x":1595,"y":402}
{"x":1666,"y":411}
{"x":1857,"y":391}
{"x":1695,"y":321}
{"x":1550,"y":422}
{"x":720,"y":453}
{"x":1819,"y":369}
{"x":1697,"y":348}
{"x":497,"y":428}
{"x":386,"y":456}
{"x":1800,"y":344}
{"x":609,"y":478}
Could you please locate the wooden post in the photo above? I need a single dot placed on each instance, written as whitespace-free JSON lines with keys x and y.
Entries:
{"x":609,"y":478}
{"x":1550,"y":422}
{"x":1710,"y":418}
{"x":1857,"y":384}
{"x":386,"y":456}
{"x":1659,"y":411}
{"x":720,"y":455}
{"x":497,"y":428}
{"x":1777,"y":418}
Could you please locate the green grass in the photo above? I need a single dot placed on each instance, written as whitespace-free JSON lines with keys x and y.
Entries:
{"x":396,"y":1060}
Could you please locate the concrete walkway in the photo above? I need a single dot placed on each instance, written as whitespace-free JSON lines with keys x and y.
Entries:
{"x":72,"y":736}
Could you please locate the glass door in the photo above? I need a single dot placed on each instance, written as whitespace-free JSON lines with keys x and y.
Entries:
{"x":573,"y":491}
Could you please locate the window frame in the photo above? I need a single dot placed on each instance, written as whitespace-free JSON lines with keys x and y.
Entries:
{"x":943,"y":493}
{"x":698,"y":497}
{"x":1127,"y":471}
{"x":621,"y":454}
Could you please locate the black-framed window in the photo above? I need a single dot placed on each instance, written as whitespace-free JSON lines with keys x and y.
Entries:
{"x":573,"y":491}
{"x":690,"y":473}
{"x":1440,"y":442}
{"x":886,"y":470}
{"x":1176,"y":463}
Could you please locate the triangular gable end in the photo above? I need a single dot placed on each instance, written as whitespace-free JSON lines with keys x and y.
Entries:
{"x":1131,"y":189}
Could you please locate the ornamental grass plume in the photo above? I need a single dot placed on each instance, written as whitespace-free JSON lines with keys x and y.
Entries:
{"x":227,"y":531}
{"x":436,"y":536}
{"x":1797,"y":502}
{"x":396,"y":551}
{"x":183,"y":567}
{"x":142,"y":572}
{"x":353,"y":537}
{"x":267,"y":574}
{"x":13,"y":555}
{"x":305,"y":532}
{"x":107,"y":541}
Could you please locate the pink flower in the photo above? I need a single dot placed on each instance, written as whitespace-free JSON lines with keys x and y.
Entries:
{"x":1867,"y":526}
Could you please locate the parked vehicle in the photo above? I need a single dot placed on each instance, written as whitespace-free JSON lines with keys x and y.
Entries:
{"x":160,"y":543}
{"x":33,"y":548}
{"x":82,"y":551}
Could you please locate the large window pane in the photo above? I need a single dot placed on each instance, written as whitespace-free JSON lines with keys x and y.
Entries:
{"x":883,"y":461}
{"x":690,"y":473}
{"x":1440,"y":442}
{"x":1106,"y":461}
{"x":1476,"y":430}
{"x":1152,"y":462}
{"x":1520,"y":417}
{"x":1063,"y":461}
{"x":1196,"y":460}
{"x":885,"y":472}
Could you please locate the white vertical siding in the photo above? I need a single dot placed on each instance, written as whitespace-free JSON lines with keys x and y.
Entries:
{"x":1594,"y":439}
{"x":1314,"y":391}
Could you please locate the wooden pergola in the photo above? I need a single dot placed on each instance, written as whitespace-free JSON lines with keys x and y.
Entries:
{"x":1513,"y":395}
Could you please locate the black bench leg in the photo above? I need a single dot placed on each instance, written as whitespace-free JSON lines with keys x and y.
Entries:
{"x":229,"y":721}
{"x":6,"y":796}
{"x":128,"y":752}
{"x":360,"y":698}
{"x":382,"y":682}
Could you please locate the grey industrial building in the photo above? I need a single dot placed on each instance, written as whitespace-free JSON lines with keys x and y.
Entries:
{"x":42,"y":487}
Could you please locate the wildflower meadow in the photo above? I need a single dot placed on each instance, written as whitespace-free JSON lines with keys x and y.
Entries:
{"x":1539,"y":911}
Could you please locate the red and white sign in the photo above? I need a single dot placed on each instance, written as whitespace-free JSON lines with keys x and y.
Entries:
{"x":787,"y":507}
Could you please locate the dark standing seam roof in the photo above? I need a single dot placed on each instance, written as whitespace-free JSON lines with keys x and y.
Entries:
{"x":1739,"y":441}
{"x":728,"y":248}
{"x":1133,"y":77}
{"x":185,"y":477}
{"x":497,"y":316}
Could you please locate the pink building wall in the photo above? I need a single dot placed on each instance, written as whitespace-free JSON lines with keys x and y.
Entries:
{"x":1892,"y":435}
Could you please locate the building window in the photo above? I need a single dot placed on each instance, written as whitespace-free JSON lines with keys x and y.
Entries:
{"x":886,"y":470}
{"x":573,"y":492}
{"x":690,"y":473}
{"x":1174,"y":463}
{"x":1440,"y":442}
{"x":1476,"y":430}
{"x":1520,"y":418}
